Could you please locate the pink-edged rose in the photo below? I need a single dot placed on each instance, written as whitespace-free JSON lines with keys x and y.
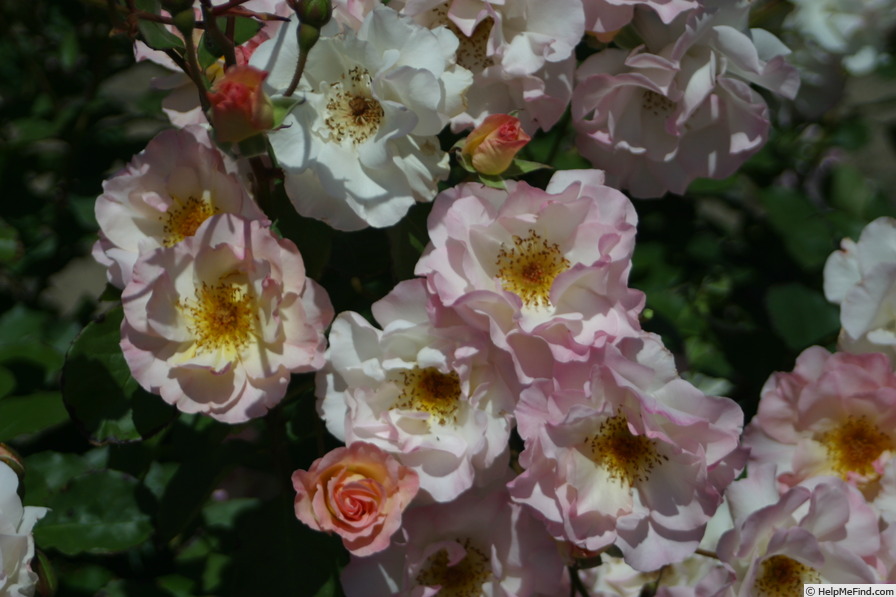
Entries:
{"x":240,"y":108}
{"x":834,"y":415}
{"x":162,"y":197}
{"x":218,"y":323}
{"x":358,"y":492}
{"x":819,"y":532}
{"x":493,"y":144}
{"x":479,"y":544}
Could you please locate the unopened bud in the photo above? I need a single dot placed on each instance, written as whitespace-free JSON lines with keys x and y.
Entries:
{"x":239,"y":106}
{"x":492,"y":145}
{"x":185,"y":21}
{"x":316,"y":13}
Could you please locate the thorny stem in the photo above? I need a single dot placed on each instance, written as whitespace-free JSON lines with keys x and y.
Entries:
{"x":222,"y":41}
{"x":575,"y":583}
{"x":297,"y":76}
{"x":194,"y":72}
{"x":262,"y":186}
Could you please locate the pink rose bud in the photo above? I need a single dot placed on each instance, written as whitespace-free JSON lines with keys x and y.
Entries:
{"x":358,"y":492}
{"x":494,"y":143}
{"x":240,"y":109}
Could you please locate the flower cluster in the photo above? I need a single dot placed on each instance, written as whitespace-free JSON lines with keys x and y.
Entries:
{"x":218,"y":312}
{"x":522,"y":316}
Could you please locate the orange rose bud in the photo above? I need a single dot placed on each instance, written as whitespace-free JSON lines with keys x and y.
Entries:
{"x":240,"y":109}
{"x":493,"y":144}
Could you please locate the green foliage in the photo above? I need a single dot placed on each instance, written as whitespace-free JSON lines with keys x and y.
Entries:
{"x":100,"y":393}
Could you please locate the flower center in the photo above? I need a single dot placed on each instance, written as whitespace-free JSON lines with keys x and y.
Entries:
{"x":463,"y":579}
{"x":220,"y":317}
{"x":528,"y":269}
{"x":659,"y":105}
{"x":430,"y":391}
{"x":353,"y":116}
{"x":781,"y":576}
{"x":472,"y":51}
{"x":184,"y":217}
{"x":854,"y":445}
{"x":627,"y":457}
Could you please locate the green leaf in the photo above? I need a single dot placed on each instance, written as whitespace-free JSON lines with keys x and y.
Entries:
{"x":519,"y":167}
{"x":801,"y":226}
{"x":801,"y":316}
{"x":204,"y":54}
{"x":244,"y":28}
{"x":194,"y":480}
{"x":48,"y":472}
{"x":10,"y":245}
{"x":282,"y":107}
{"x":20,"y":415}
{"x":158,"y":37}
{"x":495,"y":182}
{"x":96,"y":513}
{"x":100,"y":393}
{"x":7,"y":381}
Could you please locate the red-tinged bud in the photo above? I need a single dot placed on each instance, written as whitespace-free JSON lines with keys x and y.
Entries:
{"x":492,"y":145}
{"x":239,"y":107}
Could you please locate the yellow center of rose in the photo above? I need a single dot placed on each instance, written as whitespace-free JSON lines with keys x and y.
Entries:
{"x":854,"y":445}
{"x":464,"y":579}
{"x":221,"y":317}
{"x":529,"y":267}
{"x":780,"y":576}
{"x":659,"y":105}
{"x":184,"y":217}
{"x":431,"y":391}
{"x":627,"y":457}
{"x":352,"y":116}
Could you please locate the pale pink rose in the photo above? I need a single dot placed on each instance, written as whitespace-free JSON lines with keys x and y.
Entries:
{"x":608,"y":16}
{"x":240,"y":108}
{"x":696,"y":576}
{"x":479,"y":544}
{"x":834,"y":415}
{"x":680,"y":106}
{"x":438,"y":399}
{"x":519,"y":51}
{"x":217,"y":323}
{"x":492,"y":145}
{"x":621,"y":451}
{"x":861,"y":278}
{"x":359,"y":493}
{"x":162,"y":196}
{"x":823,"y":532}
{"x":530,"y":267}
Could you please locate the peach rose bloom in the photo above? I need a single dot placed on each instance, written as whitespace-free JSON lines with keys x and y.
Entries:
{"x":358,"y":492}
